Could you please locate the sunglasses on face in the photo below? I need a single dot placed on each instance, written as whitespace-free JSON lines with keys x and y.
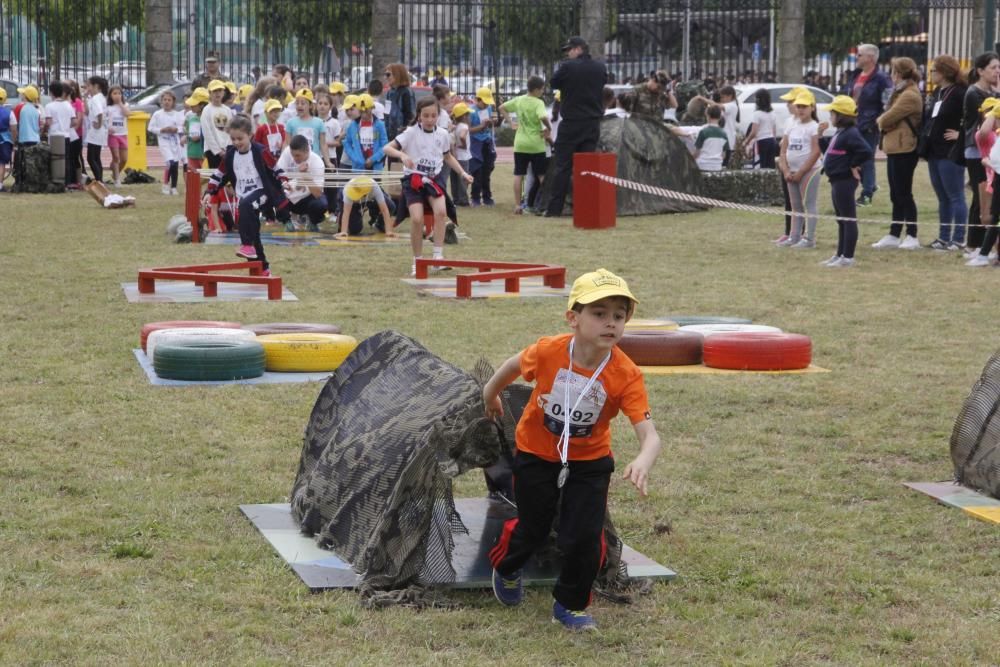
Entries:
{"x":386,"y":74}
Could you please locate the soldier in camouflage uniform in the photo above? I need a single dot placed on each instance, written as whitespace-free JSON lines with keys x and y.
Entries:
{"x":653,"y":97}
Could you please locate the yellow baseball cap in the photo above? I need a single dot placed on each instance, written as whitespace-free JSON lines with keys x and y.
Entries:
{"x":216,"y":84}
{"x":557,"y":95}
{"x":597,"y":285}
{"x":844,"y":105}
{"x":365,"y":102}
{"x":486,"y":95}
{"x":30,"y":93}
{"x":271,"y":105}
{"x":230,"y":86}
{"x":805,"y":98}
{"x":989,"y":104}
{"x":3,"y":95}
{"x":306,"y":93}
{"x":793,"y":93}
{"x":198,"y":96}
{"x":245,"y":91}
{"x":358,"y":188}
{"x":460,"y":110}
{"x":337,"y":87}
{"x":350,"y":102}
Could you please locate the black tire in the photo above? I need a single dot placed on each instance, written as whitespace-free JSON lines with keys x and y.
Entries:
{"x":209,"y":360}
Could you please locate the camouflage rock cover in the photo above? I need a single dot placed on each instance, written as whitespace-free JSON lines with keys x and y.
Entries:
{"x":760,"y":187}
{"x":389,"y":431}
{"x":33,"y":172}
{"x":975,"y":440}
{"x":647,"y":153}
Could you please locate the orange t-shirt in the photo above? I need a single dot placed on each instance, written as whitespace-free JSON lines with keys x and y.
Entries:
{"x":618,"y":388}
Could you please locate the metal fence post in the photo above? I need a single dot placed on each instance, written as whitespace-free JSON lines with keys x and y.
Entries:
{"x":686,"y":46}
{"x":990,"y":25}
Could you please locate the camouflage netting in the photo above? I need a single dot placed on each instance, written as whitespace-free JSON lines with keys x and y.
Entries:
{"x":33,"y":170}
{"x":975,"y":440}
{"x":761,"y":187}
{"x":389,"y":431}
{"x":647,"y":153}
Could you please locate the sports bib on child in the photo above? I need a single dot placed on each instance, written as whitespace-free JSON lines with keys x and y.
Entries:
{"x":584,"y":416}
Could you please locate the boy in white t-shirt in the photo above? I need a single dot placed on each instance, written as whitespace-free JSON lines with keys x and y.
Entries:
{"x":97,"y":124}
{"x":304,"y":171}
{"x":214,"y":120}
{"x":61,"y":121}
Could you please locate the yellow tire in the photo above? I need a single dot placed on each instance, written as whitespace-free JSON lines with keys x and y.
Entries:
{"x":305,"y":352}
{"x":652,"y":325}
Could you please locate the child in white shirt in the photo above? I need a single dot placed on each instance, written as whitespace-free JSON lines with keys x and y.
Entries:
{"x":167,"y":122}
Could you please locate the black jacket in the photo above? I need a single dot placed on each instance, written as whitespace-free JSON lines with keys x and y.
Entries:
{"x":949,"y":117}
{"x":580,"y":82}
{"x":271,"y":179}
{"x":848,"y":149}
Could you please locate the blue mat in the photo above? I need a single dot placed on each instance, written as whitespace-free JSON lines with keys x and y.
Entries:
{"x":321,"y":569}
{"x":267,"y":378}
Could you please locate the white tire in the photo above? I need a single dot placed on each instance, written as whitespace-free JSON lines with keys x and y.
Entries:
{"x":710,"y":329}
{"x":198,"y":333}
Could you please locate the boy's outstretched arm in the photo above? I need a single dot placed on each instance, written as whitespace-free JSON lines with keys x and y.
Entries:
{"x":637,"y":471}
{"x":509,"y":371}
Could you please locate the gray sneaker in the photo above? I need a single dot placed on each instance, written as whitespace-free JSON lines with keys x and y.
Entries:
{"x":787,"y":243}
{"x":842,"y":263}
{"x":804,"y":243}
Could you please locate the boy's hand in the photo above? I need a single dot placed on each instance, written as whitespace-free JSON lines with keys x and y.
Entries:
{"x":494,"y":408}
{"x":469,"y":178}
{"x":637,"y":472}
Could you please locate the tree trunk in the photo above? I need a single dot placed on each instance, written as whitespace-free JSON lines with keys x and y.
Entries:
{"x":159,"y":36}
{"x":385,"y":32}
{"x":791,"y":40}
{"x":592,"y":24}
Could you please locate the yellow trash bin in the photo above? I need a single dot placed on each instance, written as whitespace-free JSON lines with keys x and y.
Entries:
{"x":137,"y":122}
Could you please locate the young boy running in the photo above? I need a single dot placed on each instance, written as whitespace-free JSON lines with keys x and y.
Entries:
{"x":565,"y":465}
{"x":533,"y":128}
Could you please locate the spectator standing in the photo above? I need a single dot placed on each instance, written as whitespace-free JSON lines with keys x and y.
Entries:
{"x":763,"y":130}
{"x":650,"y":97}
{"x":529,"y":141}
{"x":97,"y":129}
{"x":899,"y":127}
{"x":400,"y":102}
{"x":580,"y":81}
{"x":213,"y":71}
{"x":869,"y":86}
{"x":945,"y":148}
{"x":982,"y":82}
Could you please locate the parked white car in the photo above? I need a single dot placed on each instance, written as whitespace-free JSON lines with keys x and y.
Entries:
{"x":745,"y":96}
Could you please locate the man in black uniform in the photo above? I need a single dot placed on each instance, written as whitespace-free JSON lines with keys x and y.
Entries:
{"x":580,"y":81}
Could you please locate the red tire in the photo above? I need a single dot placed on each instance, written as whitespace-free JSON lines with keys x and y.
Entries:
{"x":177,"y":324}
{"x":654,"y":347}
{"x":292,"y":327}
{"x":758,"y":351}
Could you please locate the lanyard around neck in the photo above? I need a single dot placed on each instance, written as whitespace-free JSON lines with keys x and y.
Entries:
{"x":563,"y":445}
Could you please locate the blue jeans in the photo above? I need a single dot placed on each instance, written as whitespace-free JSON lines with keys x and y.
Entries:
{"x":948,"y":180}
{"x":868,"y":168}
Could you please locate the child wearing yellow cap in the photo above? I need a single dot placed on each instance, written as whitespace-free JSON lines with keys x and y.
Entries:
{"x":214,"y":120}
{"x":563,"y":460}
{"x":798,"y":161}
{"x":195,"y":103}
{"x":847,"y":151}
{"x":460,"y":115}
{"x":483,"y":147}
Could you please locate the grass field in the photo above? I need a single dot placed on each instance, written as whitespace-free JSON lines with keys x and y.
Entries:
{"x":794,"y":539}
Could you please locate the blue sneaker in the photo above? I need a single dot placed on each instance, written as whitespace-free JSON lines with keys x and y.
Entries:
{"x":508,"y":590}
{"x":572,"y":620}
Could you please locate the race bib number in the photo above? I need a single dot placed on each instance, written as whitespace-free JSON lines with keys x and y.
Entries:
{"x":194,"y":131}
{"x":428,"y":167}
{"x":118,"y":123}
{"x":584,"y":416}
{"x":274,"y":143}
{"x":937,"y":109}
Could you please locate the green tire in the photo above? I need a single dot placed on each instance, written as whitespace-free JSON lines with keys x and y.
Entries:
{"x":209,"y":360}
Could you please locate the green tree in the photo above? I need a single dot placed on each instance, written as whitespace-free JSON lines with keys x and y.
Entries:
{"x":532,"y":31}
{"x":64,"y":23}
{"x":312,"y":25}
{"x":836,"y":27}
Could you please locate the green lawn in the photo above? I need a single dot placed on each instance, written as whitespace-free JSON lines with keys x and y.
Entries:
{"x":794,"y":539}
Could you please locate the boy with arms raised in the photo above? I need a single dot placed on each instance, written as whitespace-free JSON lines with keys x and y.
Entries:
{"x":565,"y":465}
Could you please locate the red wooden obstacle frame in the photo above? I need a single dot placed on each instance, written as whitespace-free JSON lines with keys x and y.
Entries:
{"x":510,"y":272}
{"x":201,"y":274}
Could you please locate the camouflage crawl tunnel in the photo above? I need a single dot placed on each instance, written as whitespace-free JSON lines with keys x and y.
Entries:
{"x":975,"y":440}
{"x":390,"y":430}
{"x":647,"y":153}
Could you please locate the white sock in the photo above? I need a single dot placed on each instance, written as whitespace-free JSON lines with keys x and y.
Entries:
{"x":438,"y":252}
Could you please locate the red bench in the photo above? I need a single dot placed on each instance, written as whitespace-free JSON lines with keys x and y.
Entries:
{"x":202,"y":274}
{"x":510,"y":272}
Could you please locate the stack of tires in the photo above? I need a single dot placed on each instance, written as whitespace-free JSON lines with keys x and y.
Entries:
{"x":198,"y":350}
{"x":718,"y":342}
